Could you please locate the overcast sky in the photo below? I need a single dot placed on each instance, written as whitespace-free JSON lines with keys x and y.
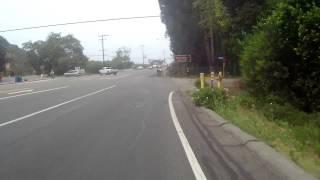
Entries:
{"x":128,"y":33}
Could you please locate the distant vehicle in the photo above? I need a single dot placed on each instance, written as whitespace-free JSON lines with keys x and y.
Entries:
{"x":154,"y":66}
{"x":150,"y":67}
{"x":140,"y":67}
{"x":159,"y":71}
{"x":72,"y":73}
{"x":107,"y":71}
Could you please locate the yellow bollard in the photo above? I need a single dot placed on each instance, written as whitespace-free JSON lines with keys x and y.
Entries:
{"x":219,"y":79}
{"x":211,"y":78}
{"x":201,"y":80}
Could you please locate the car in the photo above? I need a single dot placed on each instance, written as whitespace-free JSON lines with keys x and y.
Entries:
{"x":107,"y":71}
{"x":140,"y":67}
{"x":72,"y":73}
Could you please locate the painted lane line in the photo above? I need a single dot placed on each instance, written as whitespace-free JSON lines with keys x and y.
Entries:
{"x":119,"y":77}
{"x":36,"y":92}
{"x":195,"y":166}
{"x":55,"y":106}
{"x":18,"y":92}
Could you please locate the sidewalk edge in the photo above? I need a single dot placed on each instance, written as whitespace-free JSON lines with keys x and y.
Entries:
{"x":273,"y":158}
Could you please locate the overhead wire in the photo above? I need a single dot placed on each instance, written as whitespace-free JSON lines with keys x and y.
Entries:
{"x":78,"y":22}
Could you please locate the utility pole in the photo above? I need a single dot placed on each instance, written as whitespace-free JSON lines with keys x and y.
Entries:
{"x":102,"y":44}
{"x":164,"y":56}
{"x":142,"y":49}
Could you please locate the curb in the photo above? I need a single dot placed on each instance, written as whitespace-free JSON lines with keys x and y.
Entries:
{"x":276,"y":160}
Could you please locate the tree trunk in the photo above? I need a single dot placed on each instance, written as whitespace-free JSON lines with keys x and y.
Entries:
{"x":212,"y":59}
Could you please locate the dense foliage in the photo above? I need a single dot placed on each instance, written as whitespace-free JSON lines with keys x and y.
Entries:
{"x":93,"y":66}
{"x":207,"y":29}
{"x":122,"y":59}
{"x":3,"y":49}
{"x":15,"y":57}
{"x":282,"y":56}
{"x":276,"y":40}
{"x":58,"y":53}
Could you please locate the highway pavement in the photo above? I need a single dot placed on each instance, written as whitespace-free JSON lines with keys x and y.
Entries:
{"x":102,"y":127}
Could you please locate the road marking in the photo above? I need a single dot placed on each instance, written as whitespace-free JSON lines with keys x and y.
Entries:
{"x":6,"y":91}
{"x":197,"y":171}
{"x":36,"y":81}
{"x":117,"y":77}
{"x":22,"y":91}
{"x":55,"y":106}
{"x":36,"y":92}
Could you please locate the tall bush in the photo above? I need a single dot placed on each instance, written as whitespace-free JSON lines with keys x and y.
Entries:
{"x":282,"y":56}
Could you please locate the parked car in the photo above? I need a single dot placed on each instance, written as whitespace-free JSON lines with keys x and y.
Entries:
{"x":108,"y":70}
{"x":72,"y":73}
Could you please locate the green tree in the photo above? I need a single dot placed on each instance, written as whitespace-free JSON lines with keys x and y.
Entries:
{"x":215,"y":20}
{"x":17,"y":58}
{"x":283,"y":55}
{"x":194,"y":26}
{"x":93,"y":66}
{"x":3,"y":50}
{"x":122,"y":59}
{"x":58,"y":53}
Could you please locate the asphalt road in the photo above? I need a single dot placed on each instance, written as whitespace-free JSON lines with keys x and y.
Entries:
{"x":91,"y":127}
{"x":104,"y":127}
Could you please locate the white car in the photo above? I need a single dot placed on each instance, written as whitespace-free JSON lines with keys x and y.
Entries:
{"x":107,"y":71}
{"x":72,"y":73}
{"x":140,"y":67}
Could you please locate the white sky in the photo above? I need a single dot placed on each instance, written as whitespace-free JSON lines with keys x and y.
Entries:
{"x":128,"y":33}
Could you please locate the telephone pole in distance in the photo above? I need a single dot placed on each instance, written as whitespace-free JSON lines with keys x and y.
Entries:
{"x":102,"y":44}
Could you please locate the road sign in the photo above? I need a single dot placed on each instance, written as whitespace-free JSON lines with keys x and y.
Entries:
{"x":182,"y":58}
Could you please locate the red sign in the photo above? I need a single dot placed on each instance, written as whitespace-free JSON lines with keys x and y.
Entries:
{"x":182,"y":58}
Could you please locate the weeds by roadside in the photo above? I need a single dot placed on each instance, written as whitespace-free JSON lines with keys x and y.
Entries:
{"x":290,"y":131}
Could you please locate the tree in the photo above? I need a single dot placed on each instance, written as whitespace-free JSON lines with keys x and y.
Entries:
{"x":58,"y":53}
{"x":282,"y":56}
{"x":93,"y":66}
{"x":33,"y":54}
{"x":214,"y":19}
{"x":194,"y":26}
{"x":186,"y":35}
{"x":17,"y":58}
{"x":3,"y":50}
{"x":122,"y":59}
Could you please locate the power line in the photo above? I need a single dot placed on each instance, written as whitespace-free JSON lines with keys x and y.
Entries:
{"x":78,"y":22}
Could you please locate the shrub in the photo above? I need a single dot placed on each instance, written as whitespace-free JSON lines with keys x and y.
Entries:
{"x":93,"y":66}
{"x":318,"y":149}
{"x":211,"y":98}
{"x":282,"y":56}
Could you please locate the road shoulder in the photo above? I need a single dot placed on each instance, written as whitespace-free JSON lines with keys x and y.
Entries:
{"x":247,"y":154}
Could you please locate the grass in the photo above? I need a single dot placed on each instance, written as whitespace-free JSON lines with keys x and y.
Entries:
{"x":288,"y":130}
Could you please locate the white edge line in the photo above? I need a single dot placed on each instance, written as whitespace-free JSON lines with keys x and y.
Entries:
{"x":23,"y":91}
{"x":196,"y":168}
{"x":55,"y":106}
{"x":36,"y":92}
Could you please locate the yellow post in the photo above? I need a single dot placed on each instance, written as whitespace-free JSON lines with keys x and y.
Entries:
{"x":219,"y":79}
{"x":212,"y":78}
{"x":201,"y":80}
